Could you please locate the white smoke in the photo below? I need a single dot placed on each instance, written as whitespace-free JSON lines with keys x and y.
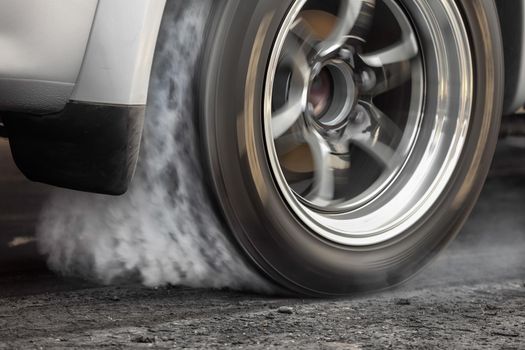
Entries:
{"x":165,"y":229}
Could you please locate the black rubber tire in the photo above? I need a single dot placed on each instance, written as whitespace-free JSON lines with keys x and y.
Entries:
{"x":236,"y":56}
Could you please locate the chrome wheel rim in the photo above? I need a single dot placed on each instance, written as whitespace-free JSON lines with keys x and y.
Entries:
{"x":357,"y":175}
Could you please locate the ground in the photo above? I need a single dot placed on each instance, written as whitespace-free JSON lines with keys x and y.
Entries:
{"x":473,"y":296}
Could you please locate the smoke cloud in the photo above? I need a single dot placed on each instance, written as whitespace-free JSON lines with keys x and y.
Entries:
{"x":165,"y":229}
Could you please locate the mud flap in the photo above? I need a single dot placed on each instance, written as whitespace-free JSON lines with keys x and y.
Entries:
{"x":86,"y":147}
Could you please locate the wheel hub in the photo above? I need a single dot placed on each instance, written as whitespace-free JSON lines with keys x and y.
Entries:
{"x":332,"y":95}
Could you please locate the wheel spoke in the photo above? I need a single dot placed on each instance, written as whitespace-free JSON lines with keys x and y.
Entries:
{"x":323,"y":187}
{"x":388,"y":78}
{"x":286,"y":117}
{"x":404,"y":50}
{"x":294,"y":54}
{"x":305,"y":34}
{"x":354,"y":19}
{"x":376,"y":134}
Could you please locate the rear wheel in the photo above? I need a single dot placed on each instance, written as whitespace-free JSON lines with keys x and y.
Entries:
{"x":347,"y":140}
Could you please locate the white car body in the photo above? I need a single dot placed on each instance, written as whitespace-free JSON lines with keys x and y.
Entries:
{"x":54,"y":51}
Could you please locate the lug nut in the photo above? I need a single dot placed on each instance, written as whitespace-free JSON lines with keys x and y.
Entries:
{"x":368,"y":79}
{"x":345,"y":53}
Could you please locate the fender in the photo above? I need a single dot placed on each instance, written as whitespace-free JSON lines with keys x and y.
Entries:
{"x":42,"y":46}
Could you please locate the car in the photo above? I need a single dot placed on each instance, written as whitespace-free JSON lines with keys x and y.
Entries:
{"x":345,"y":141}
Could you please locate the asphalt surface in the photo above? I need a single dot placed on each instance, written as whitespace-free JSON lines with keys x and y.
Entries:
{"x":471,"y":297}
{"x":20,"y":204}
